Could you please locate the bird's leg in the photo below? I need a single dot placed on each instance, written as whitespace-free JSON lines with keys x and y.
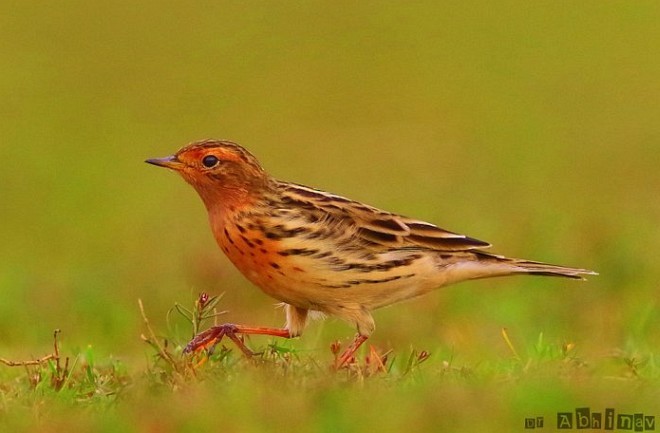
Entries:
{"x":213,"y":335}
{"x":345,"y":357}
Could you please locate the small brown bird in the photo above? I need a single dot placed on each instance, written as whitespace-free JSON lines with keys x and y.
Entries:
{"x":322,"y":252}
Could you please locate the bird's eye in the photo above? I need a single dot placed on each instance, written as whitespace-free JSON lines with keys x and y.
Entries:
{"x":210,"y":161}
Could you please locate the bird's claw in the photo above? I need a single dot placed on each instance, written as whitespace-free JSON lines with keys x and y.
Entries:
{"x":209,"y":338}
{"x":212,"y":336}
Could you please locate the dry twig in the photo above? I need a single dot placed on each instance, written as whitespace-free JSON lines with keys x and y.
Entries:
{"x":51,"y":356}
{"x":153,"y":341}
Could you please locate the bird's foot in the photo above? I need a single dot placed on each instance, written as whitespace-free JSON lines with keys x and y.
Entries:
{"x":347,"y":357}
{"x":212,"y":336}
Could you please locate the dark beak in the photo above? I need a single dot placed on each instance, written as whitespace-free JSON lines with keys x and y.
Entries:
{"x":167,"y":162}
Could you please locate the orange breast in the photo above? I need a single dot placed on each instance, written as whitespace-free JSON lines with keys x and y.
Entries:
{"x":258,"y":258}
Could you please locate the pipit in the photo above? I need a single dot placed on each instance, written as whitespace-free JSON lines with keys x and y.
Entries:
{"x":320,"y":252}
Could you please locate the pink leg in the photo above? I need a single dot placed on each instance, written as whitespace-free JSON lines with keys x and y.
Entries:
{"x":345,"y":357}
{"x":212,"y":336}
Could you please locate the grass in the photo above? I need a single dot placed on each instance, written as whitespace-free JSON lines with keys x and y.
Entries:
{"x":282,"y":386}
{"x":532,"y":126}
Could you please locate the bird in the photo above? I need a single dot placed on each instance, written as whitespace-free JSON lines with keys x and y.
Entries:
{"x":318,"y":252}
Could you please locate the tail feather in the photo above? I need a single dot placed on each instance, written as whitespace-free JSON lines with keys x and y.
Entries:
{"x":521,"y":266}
{"x":546,"y":269}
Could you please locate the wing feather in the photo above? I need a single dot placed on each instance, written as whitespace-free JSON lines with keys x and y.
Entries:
{"x":379,"y":228}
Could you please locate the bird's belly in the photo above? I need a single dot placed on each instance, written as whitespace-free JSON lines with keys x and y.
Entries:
{"x":314,"y":284}
{"x":327,"y":281}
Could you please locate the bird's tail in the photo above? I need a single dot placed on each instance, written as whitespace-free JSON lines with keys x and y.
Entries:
{"x":521,"y":266}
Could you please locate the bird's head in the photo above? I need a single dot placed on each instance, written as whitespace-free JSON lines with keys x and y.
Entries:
{"x":222,"y":172}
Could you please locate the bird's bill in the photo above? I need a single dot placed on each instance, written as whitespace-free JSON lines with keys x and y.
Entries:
{"x":167,"y":162}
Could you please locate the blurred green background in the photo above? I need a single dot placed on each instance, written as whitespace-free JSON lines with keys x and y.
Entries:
{"x":532,"y":125}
